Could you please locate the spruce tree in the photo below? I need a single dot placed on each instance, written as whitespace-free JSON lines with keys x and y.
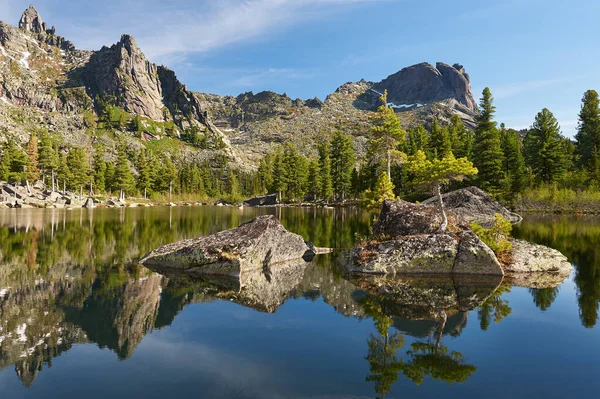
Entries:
{"x":326,"y":188}
{"x":544,"y":148}
{"x":588,"y":131}
{"x":343,"y":158}
{"x":33,"y":171}
{"x":5,"y":161}
{"x":167,"y":175}
{"x":487,"y":154}
{"x":63,"y":173}
{"x":439,"y":141}
{"x":384,"y":189}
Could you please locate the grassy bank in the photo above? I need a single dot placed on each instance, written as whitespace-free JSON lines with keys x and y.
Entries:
{"x":554,"y":200}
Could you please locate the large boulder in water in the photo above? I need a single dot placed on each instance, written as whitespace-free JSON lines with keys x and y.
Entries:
{"x":474,"y":205}
{"x":442,"y":254}
{"x":256,"y":245}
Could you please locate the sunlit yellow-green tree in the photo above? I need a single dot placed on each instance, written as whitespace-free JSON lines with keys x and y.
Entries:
{"x":439,"y":172}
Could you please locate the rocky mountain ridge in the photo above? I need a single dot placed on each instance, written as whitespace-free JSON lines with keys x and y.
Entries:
{"x":46,"y":83}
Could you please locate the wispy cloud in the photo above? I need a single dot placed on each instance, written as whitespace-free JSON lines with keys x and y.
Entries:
{"x":259,"y":77}
{"x":512,"y":89}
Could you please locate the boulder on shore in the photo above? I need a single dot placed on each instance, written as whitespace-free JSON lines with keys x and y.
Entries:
{"x":256,"y":245}
{"x":402,"y":218}
{"x":474,"y":205}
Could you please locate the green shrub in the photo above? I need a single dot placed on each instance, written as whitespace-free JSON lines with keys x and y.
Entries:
{"x":495,"y":237}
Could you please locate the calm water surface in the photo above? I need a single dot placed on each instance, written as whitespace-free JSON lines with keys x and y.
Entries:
{"x":80,"y":318}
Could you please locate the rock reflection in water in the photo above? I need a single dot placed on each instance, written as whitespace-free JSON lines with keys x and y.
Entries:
{"x":425,"y":308}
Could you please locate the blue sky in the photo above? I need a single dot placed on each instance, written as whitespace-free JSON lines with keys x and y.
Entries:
{"x":531,"y":53}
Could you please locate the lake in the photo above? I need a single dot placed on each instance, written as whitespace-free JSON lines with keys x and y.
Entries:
{"x":80,"y":318}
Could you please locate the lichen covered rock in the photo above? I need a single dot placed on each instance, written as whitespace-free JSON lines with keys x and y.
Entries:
{"x":258,"y":244}
{"x":529,"y":258}
{"x":444,"y":254}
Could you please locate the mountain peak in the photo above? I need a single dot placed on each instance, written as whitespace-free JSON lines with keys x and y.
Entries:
{"x":32,"y":21}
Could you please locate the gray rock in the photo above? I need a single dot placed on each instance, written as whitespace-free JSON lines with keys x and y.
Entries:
{"x":39,"y":185}
{"x":265,"y":200}
{"x":54,"y":196}
{"x":529,"y":258}
{"x":474,"y":205}
{"x":32,"y":21}
{"x":475,"y":257}
{"x":401,"y":218}
{"x":424,"y":83}
{"x":89,"y":203}
{"x":429,"y":254}
{"x":259,"y":244}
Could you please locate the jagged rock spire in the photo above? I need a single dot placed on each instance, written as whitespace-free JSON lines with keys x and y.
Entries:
{"x":32,"y":21}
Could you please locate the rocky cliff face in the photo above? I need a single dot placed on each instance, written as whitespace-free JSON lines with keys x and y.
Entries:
{"x":45,"y":83}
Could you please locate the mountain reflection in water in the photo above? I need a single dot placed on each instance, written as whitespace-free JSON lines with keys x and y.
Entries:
{"x":70,"y":278}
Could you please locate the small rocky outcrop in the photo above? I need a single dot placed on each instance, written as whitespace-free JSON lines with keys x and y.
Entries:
{"x":474,"y":205}
{"x":32,"y":21}
{"x":430,"y":254}
{"x":407,"y":241}
{"x":424,"y":83}
{"x":257,"y":245}
{"x":264,"y":200}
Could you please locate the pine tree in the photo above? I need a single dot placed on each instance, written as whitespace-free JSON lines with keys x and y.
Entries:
{"x":265,"y":173}
{"x":355,"y":183}
{"x":33,"y":171}
{"x":384,"y":189}
{"x":123,"y":179}
{"x":326,"y":188}
{"x":279,"y":178}
{"x":232,"y":186}
{"x":314,"y":179}
{"x":488,"y":156}
{"x":79,"y":170}
{"x":63,"y":173}
{"x":417,"y":139}
{"x":387,"y":135}
{"x":514,"y":162}
{"x":109,"y":178}
{"x":99,"y":171}
{"x":294,"y":172}
{"x":342,"y":163}
{"x":588,"y":131}
{"x":48,"y":155}
{"x":144,"y":180}
{"x":544,"y":148}
{"x":13,"y":163}
{"x":461,"y":138}
{"x":439,"y":141}
{"x":167,"y":175}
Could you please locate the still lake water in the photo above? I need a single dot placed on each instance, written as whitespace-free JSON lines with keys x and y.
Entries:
{"x":79,"y":318}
